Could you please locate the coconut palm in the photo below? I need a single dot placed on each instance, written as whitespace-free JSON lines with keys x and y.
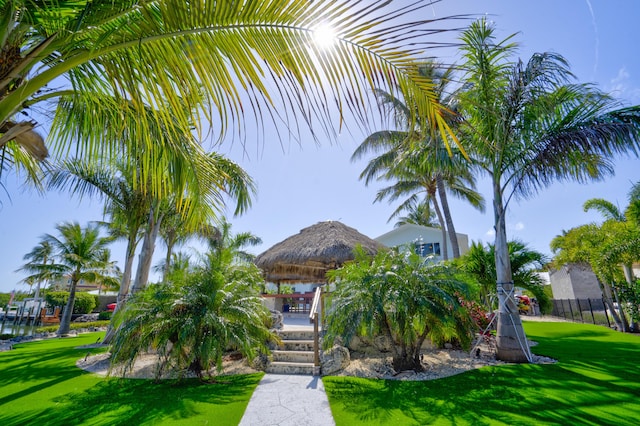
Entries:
{"x":38,"y":259}
{"x":196,"y":317}
{"x":221,"y":58}
{"x":419,"y":213}
{"x":420,"y":162}
{"x":399,"y":296}
{"x":526,"y":127}
{"x":80,"y":254}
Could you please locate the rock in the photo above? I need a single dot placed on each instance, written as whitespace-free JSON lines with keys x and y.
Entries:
{"x":277,"y":320}
{"x":383,"y":344}
{"x":260,"y":362}
{"x":335,"y":359}
{"x":87,"y":318}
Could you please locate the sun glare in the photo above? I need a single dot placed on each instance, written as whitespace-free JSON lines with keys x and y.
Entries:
{"x":324,"y":36}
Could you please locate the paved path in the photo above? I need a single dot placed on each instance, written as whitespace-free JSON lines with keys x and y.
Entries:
{"x":288,"y":400}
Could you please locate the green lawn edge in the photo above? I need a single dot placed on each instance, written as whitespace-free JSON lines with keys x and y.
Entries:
{"x":40,"y":384}
{"x":596,"y":381}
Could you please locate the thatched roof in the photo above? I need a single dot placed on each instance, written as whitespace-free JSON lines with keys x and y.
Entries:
{"x":306,"y":256}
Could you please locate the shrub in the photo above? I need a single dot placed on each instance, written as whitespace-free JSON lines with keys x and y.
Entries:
{"x":74,"y":326}
{"x":83,"y":304}
{"x":105,"y":315}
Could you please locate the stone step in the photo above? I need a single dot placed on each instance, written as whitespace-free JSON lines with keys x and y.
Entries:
{"x":296,"y":334}
{"x":292,"y":356}
{"x":290,"y":368}
{"x":297,"y":345}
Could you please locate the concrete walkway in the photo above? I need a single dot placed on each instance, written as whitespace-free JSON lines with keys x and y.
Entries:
{"x":289,"y":400}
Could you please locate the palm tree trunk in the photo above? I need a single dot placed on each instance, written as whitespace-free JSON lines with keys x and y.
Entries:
{"x":511,"y":341}
{"x":451,"y":230}
{"x":146,"y":253}
{"x":608,"y":300}
{"x":167,"y":259}
{"x":124,"y":285}
{"x":443,"y":228}
{"x":65,"y":321}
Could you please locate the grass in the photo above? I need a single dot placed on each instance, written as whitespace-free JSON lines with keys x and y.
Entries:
{"x":596,"y":381}
{"x":40,"y":384}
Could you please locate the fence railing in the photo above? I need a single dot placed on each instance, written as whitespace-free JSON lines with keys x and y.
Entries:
{"x":593,"y":311}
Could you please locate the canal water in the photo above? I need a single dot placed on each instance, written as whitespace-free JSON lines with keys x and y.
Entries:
{"x":8,"y":327}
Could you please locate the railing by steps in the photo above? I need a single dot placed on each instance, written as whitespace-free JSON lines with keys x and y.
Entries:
{"x":315,"y":310}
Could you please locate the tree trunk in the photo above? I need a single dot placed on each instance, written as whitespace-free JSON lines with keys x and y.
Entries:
{"x":65,"y":321}
{"x":124,"y":285}
{"x":167,"y":259}
{"x":146,"y":253}
{"x":623,"y":317}
{"x":608,"y":300}
{"x":407,"y":361}
{"x":445,"y":248}
{"x":511,"y":341}
{"x":451,"y":230}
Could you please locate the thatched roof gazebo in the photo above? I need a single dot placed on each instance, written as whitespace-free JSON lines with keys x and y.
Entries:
{"x":308,"y":255}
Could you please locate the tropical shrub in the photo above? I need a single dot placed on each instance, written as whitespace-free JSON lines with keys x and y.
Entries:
{"x":84,"y":302}
{"x":196,"y":317}
{"x":399,"y":296}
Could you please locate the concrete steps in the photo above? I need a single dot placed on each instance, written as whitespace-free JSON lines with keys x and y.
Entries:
{"x":295,"y":355}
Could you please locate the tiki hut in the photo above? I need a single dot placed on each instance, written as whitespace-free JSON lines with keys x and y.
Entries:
{"x":308,"y":255}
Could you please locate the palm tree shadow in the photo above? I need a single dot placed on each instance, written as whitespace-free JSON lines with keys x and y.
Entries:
{"x":135,"y":401}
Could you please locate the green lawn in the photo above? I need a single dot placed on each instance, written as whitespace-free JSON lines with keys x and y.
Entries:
{"x":595,"y":382}
{"x":40,"y":385}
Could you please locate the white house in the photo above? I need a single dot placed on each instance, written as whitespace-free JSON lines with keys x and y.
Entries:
{"x":425,"y":240}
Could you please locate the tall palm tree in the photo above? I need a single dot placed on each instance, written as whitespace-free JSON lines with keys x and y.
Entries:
{"x":221,"y":58}
{"x":527,"y":126}
{"x":80,"y":254}
{"x":38,"y":260}
{"x":126,"y":206}
{"x":419,"y":161}
{"x":419,"y":213}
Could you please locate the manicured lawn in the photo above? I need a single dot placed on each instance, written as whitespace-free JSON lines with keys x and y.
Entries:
{"x":40,"y":385}
{"x":595,"y":382}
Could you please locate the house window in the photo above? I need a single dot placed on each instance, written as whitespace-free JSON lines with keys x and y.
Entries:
{"x":427,"y":249}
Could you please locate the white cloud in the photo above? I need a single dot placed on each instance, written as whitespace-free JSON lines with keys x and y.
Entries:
{"x":491,"y":233}
{"x":621,"y":86}
{"x":518,"y":226}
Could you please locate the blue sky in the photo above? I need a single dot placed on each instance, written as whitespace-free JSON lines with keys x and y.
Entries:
{"x":302,"y":185}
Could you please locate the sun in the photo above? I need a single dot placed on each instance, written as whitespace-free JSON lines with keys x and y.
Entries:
{"x":324,"y":36}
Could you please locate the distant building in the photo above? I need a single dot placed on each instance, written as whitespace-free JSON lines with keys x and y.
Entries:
{"x":575,"y":281}
{"x":424,"y":240}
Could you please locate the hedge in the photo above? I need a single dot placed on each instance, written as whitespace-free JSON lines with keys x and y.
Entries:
{"x":83,"y":304}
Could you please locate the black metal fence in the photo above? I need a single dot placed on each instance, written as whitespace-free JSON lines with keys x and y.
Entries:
{"x":592,"y":311}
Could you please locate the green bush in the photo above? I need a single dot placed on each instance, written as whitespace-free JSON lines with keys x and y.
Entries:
{"x":74,"y":326}
{"x":105,"y":315}
{"x":7,"y":336}
{"x":83,"y":304}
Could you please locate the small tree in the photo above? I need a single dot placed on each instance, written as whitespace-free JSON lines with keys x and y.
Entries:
{"x":400,"y":296}
{"x":196,"y":316}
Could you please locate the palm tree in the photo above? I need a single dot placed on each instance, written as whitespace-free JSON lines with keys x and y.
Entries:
{"x":400,"y":297}
{"x":479,"y":262}
{"x":420,"y":162}
{"x":80,"y":254}
{"x":38,"y":259}
{"x":611,"y":212}
{"x":221,"y":58}
{"x":526,"y":127}
{"x":126,"y":205}
{"x":419,"y":213}
{"x":196,"y":317}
